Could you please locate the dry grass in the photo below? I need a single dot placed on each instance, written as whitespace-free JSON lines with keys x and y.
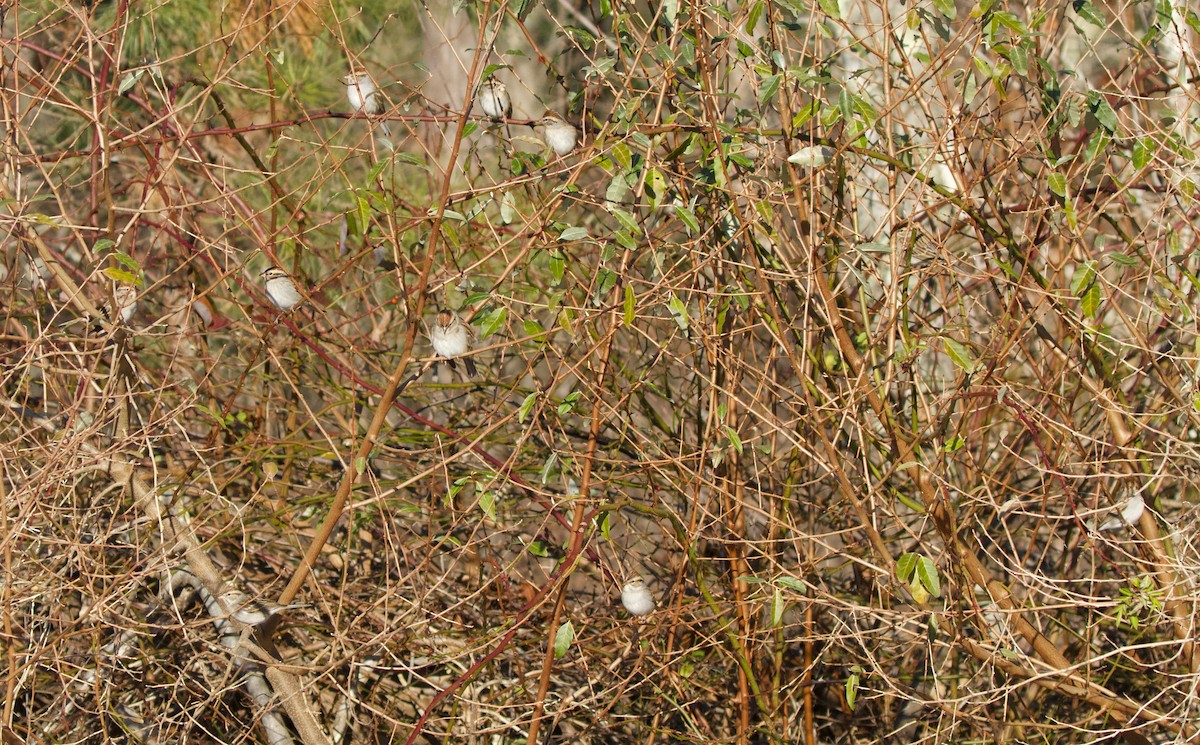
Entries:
{"x":856,"y":417}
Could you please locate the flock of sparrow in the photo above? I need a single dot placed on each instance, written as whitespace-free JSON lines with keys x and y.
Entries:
{"x":450,"y":337}
{"x":560,"y":135}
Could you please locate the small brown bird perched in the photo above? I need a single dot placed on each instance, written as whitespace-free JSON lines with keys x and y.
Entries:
{"x":494,"y":100}
{"x":280,"y":288}
{"x":637,"y":598}
{"x":558,"y":133}
{"x":364,"y":96}
{"x":452,"y":338}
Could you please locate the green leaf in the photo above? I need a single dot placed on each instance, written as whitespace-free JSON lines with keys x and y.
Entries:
{"x":493,"y":320}
{"x":722,"y":313}
{"x":805,"y":114}
{"x":622,"y":155}
{"x":947,"y":8}
{"x":568,"y":403}
{"x":487,"y":503}
{"x":456,"y":488}
{"x":865,"y":110}
{"x":852,"y":681}
{"x":1143,"y":151}
{"x":1090,"y":302}
{"x":566,"y":320}
{"x":626,"y":240}
{"x":1088,"y":12}
{"x":831,"y":9}
{"x":523,"y":8}
{"x":582,"y":36}
{"x":120,"y":275}
{"x":1011,"y":21}
{"x":606,"y":279}
{"x":927,"y":574}
{"x":1085,"y":274}
{"x":678,"y":311}
{"x":533,"y":329}
{"x":549,"y":468}
{"x":606,"y":526}
{"x":1103,"y":111}
{"x":360,"y":465}
{"x":362,"y":211}
{"x":526,"y":407}
{"x":475,"y":298}
{"x":656,"y":187}
{"x":129,"y":80}
{"x":628,"y":220}
{"x":777,"y":608}
{"x":630,"y":306}
{"x":1069,"y":210}
{"x":491,"y":68}
{"x":617,"y":191}
{"x":906,"y":567}
{"x":1020,"y":60}
{"x":792,"y":583}
{"x":970,"y":87}
{"x":768,"y":88}
{"x":537,"y":548}
{"x":377,"y":169}
{"x":557,"y":267}
{"x":846,"y":105}
{"x":1057,"y":183}
{"x":127,"y":261}
{"x":734,"y":440}
{"x":573,"y":234}
{"x":563,"y":638}
{"x":411,"y":160}
{"x":688,"y":218}
{"x":752,"y":17}
{"x":960,"y":355}
{"x":670,"y":11}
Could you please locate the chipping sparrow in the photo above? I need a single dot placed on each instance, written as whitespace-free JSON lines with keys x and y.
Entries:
{"x":452,"y":338}
{"x":125,"y":296}
{"x":281,"y":290}
{"x":1131,"y":513}
{"x":558,"y":133}
{"x":364,"y":96}
{"x":494,"y":100}
{"x":636,"y":597}
{"x":250,"y":611}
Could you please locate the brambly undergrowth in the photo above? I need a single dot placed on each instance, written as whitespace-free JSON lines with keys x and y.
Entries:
{"x":863,"y":332}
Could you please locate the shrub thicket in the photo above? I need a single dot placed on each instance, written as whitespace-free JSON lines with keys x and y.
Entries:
{"x":863,"y":331}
